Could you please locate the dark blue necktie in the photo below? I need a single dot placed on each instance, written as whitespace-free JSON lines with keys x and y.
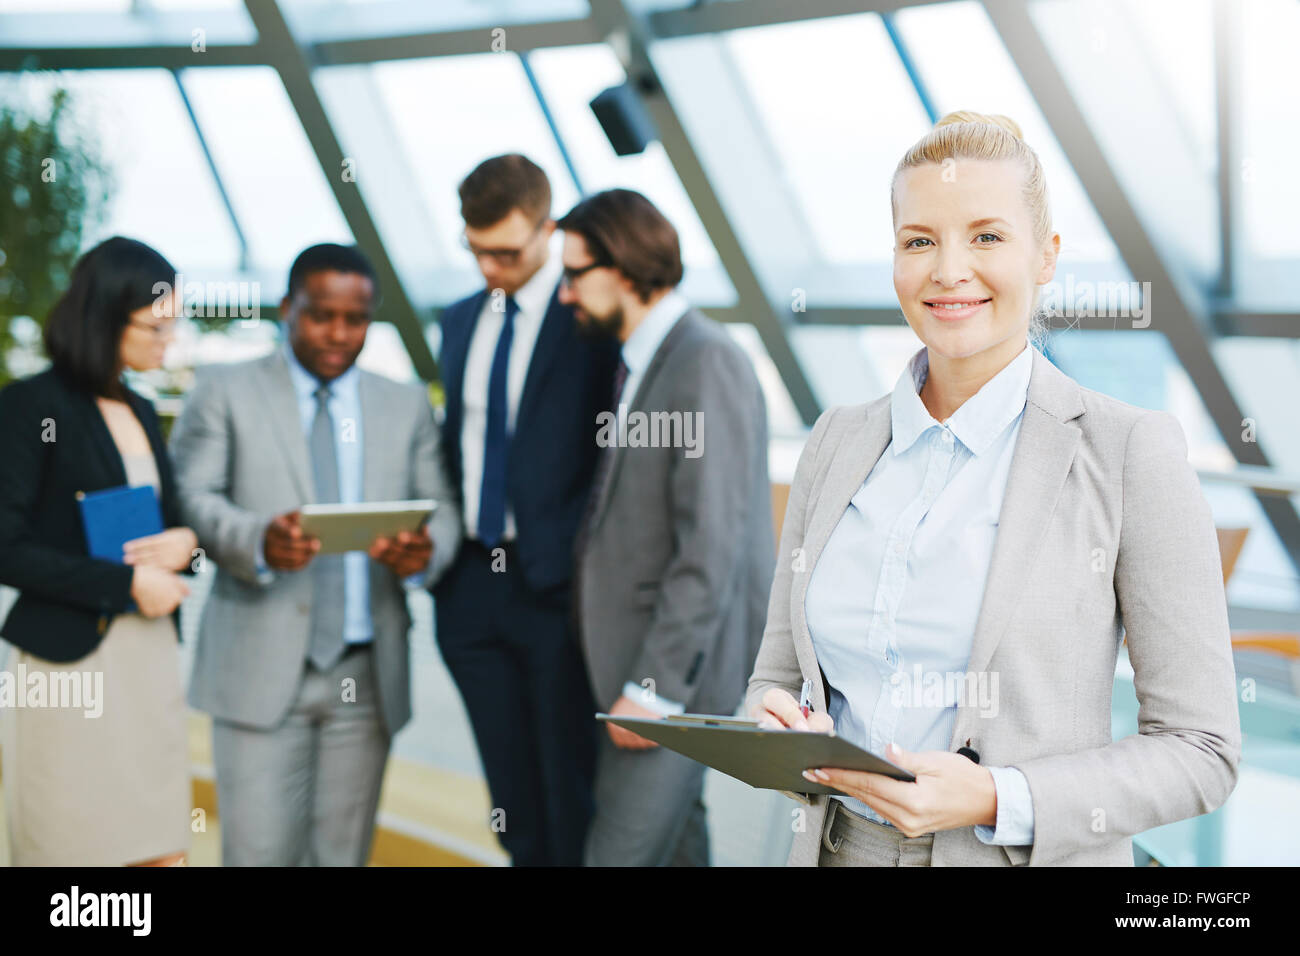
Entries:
{"x":492,"y":499}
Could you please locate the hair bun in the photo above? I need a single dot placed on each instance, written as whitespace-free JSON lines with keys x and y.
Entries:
{"x":992,"y":119}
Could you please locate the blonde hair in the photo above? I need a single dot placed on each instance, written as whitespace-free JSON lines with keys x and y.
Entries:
{"x":964,"y":134}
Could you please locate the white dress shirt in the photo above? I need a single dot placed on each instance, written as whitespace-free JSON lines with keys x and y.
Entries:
{"x":533,"y":298}
{"x":893,"y":600}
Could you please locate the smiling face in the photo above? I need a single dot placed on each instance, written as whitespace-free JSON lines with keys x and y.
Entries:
{"x":327,"y":319}
{"x":966,"y":263}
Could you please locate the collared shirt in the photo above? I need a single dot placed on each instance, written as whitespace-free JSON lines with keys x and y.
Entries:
{"x":345,"y":408}
{"x":533,"y":298}
{"x":893,"y":600}
{"x":344,"y":405}
{"x":638,"y":352}
{"x":640,"y":348}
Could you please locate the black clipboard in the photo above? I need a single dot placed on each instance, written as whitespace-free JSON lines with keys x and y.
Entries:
{"x":764,"y":759}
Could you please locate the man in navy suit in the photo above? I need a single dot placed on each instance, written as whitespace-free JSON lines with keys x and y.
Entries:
{"x":524,"y":390}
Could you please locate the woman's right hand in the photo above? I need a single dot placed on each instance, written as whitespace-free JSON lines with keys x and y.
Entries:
{"x":157,"y":592}
{"x":779,"y":710}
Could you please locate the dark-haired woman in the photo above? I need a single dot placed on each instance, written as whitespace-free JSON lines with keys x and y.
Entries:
{"x":96,"y":770}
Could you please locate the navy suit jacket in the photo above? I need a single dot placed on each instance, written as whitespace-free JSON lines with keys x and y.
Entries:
{"x":552,"y":453}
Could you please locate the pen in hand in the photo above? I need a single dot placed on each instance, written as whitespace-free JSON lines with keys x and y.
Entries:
{"x":805,"y":698}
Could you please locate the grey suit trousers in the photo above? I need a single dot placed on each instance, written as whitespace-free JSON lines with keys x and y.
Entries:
{"x":849,"y":839}
{"x":649,"y":809}
{"x":305,"y":793}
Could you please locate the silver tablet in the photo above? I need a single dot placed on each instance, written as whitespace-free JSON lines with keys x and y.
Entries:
{"x":354,"y":527}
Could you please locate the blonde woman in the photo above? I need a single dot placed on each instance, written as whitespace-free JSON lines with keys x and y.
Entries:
{"x":961,"y":560}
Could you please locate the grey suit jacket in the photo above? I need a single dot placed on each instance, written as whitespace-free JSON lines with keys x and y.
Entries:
{"x":1103,"y":531}
{"x":678,"y":561}
{"x":241,"y":458}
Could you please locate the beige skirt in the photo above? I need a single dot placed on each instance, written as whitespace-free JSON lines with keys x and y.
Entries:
{"x":97,"y":773}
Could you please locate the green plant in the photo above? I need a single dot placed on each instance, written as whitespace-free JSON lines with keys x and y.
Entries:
{"x":54,"y":188}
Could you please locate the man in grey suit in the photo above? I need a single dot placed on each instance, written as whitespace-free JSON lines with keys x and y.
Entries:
{"x":675,"y":555}
{"x":302,"y":657}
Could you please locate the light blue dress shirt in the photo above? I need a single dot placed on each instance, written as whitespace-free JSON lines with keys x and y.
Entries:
{"x":344,"y":405}
{"x":893,"y":600}
{"x":638,"y":352}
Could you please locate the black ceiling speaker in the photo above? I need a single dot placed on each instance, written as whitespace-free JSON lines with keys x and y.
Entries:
{"x":625,"y":120}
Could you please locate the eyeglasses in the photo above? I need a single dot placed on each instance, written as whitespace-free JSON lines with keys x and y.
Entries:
{"x":160,"y":331}
{"x":503,"y":257}
{"x":573,"y":272}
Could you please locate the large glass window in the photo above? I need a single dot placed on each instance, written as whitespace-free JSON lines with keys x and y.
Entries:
{"x":269,"y":169}
{"x":943,"y":41}
{"x":453,"y":112}
{"x":1267,"y":241}
{"x":1149,"y":136}
{"x":340,"y":19}
{"x":570,"y":77}
{"x":839,"y":110}
{"x":163,"y":191}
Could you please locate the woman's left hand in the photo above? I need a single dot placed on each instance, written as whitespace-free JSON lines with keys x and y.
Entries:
{"x":950,"y":791}
{"x":171,"y":550}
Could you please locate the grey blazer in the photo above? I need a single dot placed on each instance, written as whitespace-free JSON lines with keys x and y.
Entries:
{"x":678,"y":562}
{"x":1103,"y":532}
{"x":241,"y":458}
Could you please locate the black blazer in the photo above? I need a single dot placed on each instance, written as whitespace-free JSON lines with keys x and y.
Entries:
{"x":55,"y":443}
{"x":552,"y":452}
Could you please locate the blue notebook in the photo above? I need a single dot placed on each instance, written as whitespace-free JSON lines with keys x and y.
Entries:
{"x":114,"y":516}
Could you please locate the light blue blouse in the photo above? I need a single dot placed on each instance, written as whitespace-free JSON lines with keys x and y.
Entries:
{"x":894,"y":597}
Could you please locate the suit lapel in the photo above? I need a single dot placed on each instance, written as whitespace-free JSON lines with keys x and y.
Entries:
{"x":666,"y":347}
{"x":858,"y":453}
{"x":1044,"y":452}
{"x":373,"y":444}
{"x":101,"y":439}
{"x":456,"y":337}
{"x":556,"y":327}
{"x":281,"y":407}
{"x":166,"y":482}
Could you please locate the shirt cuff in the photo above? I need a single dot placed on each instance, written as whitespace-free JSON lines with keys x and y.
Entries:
{"x":264,"y":574}
{"x":415,"y":582}
{"x":652,"y":701}
{"x":1015,"y":823}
